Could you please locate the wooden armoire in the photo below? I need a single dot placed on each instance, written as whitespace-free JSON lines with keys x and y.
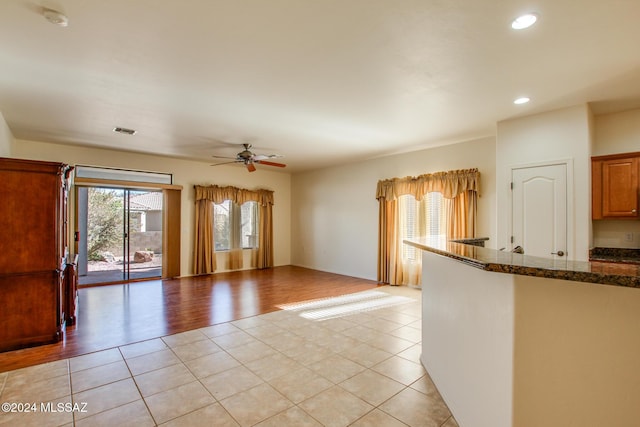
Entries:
{"x":34,"y":293}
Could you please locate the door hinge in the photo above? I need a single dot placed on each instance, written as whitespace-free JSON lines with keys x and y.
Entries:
{"x":511,"y":239}
{"x":512,"y":185}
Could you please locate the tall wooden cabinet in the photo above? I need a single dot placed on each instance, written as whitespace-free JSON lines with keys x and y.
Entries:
{"x":615,"y":181}
{"x":33,"y":252}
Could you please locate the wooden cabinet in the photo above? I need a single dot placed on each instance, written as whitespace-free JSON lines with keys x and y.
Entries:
{"x":620,"y":188}
{"x":33,"y":251}
{"x":615,"y":184}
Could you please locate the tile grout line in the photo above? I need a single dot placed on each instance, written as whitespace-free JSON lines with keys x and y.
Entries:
{"x":374,"y":407}
{"x":71,"y":398}
{"x":296,"y":405}
{"x":137,"y":387}
{"x":198,"y":380}
{"x":224,"y":350}
{"x":287,"y":328}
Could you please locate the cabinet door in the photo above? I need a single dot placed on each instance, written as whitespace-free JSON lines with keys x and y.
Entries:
{"x":620,"y":188}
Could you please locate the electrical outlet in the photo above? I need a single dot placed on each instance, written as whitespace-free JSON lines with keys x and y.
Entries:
{"x":628,"y":237}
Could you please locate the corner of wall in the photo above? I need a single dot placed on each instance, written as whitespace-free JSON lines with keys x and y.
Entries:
{"x":7,"y":140}
{"x":592,"y":137}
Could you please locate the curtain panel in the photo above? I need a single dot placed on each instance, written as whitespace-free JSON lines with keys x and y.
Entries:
{"x":204,"y":257}
{"x":204,"y":252}
{"x":460,"y":188}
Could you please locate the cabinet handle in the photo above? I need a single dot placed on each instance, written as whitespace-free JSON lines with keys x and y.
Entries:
{"x":633,"y":211}
{"x":559,"y":253}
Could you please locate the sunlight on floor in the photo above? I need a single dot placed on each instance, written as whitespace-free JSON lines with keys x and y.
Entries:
{"x":330,"y":308}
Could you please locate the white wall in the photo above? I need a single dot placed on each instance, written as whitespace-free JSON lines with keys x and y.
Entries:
{"x":186,"y":173}
{"x":467,"y":339}
{"x":6,"y":138}
{"x":616,"y":133}
{"x":550,"y":136}
{"x":335,"y":212}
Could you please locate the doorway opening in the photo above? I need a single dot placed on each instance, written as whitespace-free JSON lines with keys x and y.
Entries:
{"x":119,"y":234}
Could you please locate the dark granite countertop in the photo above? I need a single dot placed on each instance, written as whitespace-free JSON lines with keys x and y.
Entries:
{"x":605,"y":273}
{"x":619,"y":255}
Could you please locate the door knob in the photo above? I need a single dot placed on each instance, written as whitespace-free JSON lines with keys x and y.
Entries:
{"x":559,"y":253}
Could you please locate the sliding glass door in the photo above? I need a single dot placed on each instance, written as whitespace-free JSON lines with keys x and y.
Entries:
{"x":119,"y":234}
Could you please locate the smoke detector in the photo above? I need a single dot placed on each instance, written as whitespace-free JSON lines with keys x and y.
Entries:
{"x":55,"y":17}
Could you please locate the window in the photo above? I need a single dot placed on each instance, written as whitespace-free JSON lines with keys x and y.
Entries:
{"x":235,"y":227}
{"x":420,"y":219}
{"x":249,"y":227}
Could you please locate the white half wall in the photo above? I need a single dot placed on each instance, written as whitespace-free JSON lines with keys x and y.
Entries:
{"x":186,"y":173}
{"x":509,"y":350}
{"x":468,"y":338}
{"x":335,"y":212}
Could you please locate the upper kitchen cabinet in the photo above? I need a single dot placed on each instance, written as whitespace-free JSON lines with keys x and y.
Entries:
{"x":614,"y":185}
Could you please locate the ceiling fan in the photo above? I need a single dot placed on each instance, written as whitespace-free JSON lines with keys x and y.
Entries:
{"x":250,"y":159}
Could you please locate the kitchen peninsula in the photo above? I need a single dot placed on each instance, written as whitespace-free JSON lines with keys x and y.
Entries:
{"x":515,"y":340}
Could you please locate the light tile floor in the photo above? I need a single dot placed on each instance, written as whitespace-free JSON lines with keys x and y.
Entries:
{"x":277,"y":369}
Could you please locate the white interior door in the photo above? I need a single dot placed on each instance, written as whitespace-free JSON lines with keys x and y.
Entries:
{"x":539,"y":210}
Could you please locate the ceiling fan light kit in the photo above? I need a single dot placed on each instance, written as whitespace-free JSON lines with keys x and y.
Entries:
{"x":55,"y":17}
{"x":524,"y":21}
{"x":250,"y":159}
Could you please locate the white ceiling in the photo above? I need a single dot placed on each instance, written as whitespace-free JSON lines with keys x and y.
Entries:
{"x":319,"y":81}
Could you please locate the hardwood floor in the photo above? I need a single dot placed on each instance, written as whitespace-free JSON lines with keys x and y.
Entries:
{"x":115,"y":315}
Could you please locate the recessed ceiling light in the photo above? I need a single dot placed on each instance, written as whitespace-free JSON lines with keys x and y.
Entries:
{"x":524,"y":21}
{"x":55,"y":17}
{"x":125,"y":131}
{"x":521,"y":100}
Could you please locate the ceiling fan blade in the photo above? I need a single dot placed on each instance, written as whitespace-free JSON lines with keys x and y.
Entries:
{"x":224,"y":157}
{"x":264,"y":162}
{"x":251,"y":167}
{"x":224,"y":163}
{"x":266,"y":156}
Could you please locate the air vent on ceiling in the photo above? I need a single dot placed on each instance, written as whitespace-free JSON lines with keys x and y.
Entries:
{"x":125,"y":131}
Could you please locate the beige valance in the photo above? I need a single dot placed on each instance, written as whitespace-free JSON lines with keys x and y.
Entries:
{"x":450,"y":184}
{"x":218,"y":194}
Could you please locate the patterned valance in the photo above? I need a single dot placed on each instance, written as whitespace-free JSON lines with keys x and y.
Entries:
{"x":450,"y":184}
